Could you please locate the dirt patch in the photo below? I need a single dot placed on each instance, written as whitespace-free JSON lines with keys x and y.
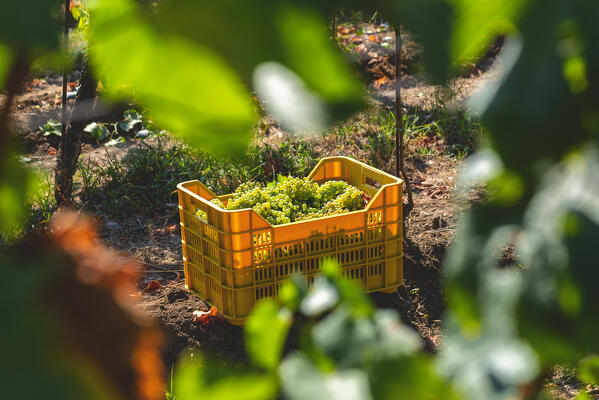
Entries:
{"x":172,"y":308}
{"x":372,"y":48}
{"x":429,"y":229}
{"x":41,"y":101}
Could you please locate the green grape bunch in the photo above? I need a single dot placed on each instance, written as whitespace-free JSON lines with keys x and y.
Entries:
{"x":290,"y":199}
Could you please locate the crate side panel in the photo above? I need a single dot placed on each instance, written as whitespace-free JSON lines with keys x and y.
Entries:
{"x":376,"y":277}
{"x":394,"y":272}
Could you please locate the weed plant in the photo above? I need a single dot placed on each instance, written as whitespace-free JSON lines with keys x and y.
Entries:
{"x":145,"y":179}
{"x":458,"y":130}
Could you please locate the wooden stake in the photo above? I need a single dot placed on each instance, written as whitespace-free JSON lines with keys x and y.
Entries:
{"x":399,"y":144}
{"x":65,"y":77}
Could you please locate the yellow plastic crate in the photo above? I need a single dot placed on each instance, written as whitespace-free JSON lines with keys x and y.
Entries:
{"x":234,"y":258}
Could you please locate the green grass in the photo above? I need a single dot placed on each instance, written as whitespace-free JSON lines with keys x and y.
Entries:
{"x":457,"y":129}
{"x":145,"y":179}
{"x":288,"y":158}
{"x":43,"y":204}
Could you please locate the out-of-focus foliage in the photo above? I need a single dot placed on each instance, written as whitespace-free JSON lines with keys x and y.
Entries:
{"x":81,"y":15}
{"x":55,"y":347}
{"x":283,"y":32}
{"x":193,"y":63}
{"x":212,"y":380}
{"x":348,"y":349}
{"x":180,"y":67}
{"x":17,"y":184}
{"x":5,"y":59}
{"x":31,"y":26}
{"x":187,"y":87}
{"x":542,"y":171}
{"x":478,"y":22}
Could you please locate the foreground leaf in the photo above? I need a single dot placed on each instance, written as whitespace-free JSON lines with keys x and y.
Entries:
{"x":303,"y":381}
{"x":211,"y":380}
{"x":17,"y":185}
{"x":265,"y":332}
{"x":187,"y":87}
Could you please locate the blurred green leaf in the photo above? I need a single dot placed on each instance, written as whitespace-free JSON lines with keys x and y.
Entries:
{"x":349,"y":292}
{"x":17,"y":184}
{"x":265,"y":334}
{"x":343,"y":338}
{"x":322,"y":297}
{"x":412,"y":377}
{"x":23,"y":28}
{"x":489,"y":367}
{"x":187,"y":87}
{"x":351,"y":340}
{"x":539,"y":117}
{"x":283,"y":34}
{"x":196,"y":377}
{"x":293,"y":292}
{"x":588,"y":370}
{"x":310,"y":53}
{"x":477,"y":23}
{"x":394,"y":339}
{"x":454,"y":31}
{"x":301,"y":380}
{"x":5,"y":60}
{"x":557,"y":313}
{"x":287,"y":99}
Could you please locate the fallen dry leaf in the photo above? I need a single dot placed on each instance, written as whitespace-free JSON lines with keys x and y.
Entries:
{"x":153,"y":286}
{"x":381,"y":81}
{"x":176,"y":280}
{"x":345,"y":30}
{"x":206,"y":317}
{"x":167,"y":230}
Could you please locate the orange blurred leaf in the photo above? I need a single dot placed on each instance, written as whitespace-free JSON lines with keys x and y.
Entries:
{"x":86,"y":303}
